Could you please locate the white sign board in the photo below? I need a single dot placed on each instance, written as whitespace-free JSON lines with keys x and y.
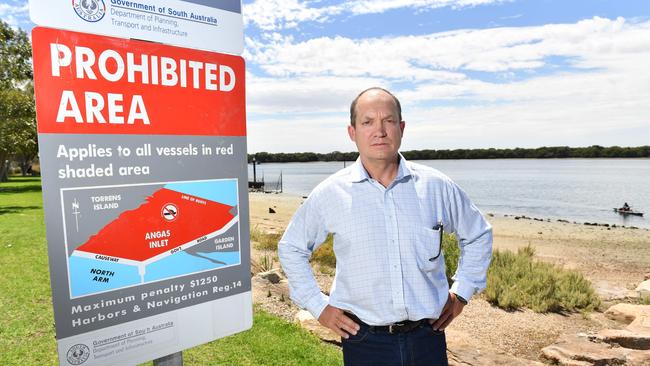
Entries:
{"x":202,"y":24}
{"x":145,"y":194}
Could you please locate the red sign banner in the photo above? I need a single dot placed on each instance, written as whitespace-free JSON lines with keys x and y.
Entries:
{"x":104,"y":85}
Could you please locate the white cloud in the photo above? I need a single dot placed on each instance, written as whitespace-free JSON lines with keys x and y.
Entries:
{"x":573,"y":121}
{"x":441,"y":56}
{"x":10,"y":13}
{"x":284,"y":14}
{"x":299,"y":134}
{"x":281,"y":14}
{"x":603,"y":101}
{"x":13,"y":8}
{"x":308,"y":95}
{"x":539,"y":122}
{"x":380,"y":6}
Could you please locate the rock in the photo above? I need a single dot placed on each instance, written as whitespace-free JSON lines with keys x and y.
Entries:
{"x":644,"y":288}
{"x":262,"y":287}
{"x":608,"y":291}
{"x":273,"y":276}
{"x":308,"y":322}
{"x":579,"y":351}
{"x":271,"y":210}
{"x":627,"y":313}
{"x":462,"y":351}
{"x":629,"y":346}
{"x":636,"y":335}
{"x":625,"y":338}
{"x":470,"y":357}
{"x":641,"y":325}
{"x":638,"y":358}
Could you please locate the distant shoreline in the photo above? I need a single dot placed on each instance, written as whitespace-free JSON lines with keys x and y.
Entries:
{"x":289,"y":197}
{"x":555,"y":152}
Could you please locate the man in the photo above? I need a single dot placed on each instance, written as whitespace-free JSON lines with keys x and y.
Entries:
{"x":390,"y":300}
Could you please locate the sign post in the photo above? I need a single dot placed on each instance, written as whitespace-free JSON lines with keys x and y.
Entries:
{"x":175,"y":359}
{"x":143,"y":156}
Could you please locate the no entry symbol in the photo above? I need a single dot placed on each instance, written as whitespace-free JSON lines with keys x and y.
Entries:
{"x":169,"y":212}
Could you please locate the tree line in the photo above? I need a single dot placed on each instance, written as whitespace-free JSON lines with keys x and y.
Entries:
{"x":17,"y":111}
{"x":551,"y":152}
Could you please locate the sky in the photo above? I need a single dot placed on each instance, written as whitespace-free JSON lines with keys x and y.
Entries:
{"x":469,"y":73}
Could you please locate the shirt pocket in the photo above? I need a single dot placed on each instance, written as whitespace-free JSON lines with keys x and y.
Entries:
{"x":428,"y":248}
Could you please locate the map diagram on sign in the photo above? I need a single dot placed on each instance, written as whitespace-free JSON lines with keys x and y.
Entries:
{"x":121,"y":236}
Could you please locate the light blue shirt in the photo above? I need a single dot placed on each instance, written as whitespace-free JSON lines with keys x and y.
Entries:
{"x":384,"y":239}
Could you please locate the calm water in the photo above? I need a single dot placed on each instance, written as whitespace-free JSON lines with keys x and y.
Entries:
{"x":582,"y":190}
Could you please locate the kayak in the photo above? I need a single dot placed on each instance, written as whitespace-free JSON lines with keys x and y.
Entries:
{"x":628,"y":212}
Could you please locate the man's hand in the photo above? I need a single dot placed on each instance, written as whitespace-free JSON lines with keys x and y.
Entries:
{"x":334,"y":319}
{"x":452,"y":309}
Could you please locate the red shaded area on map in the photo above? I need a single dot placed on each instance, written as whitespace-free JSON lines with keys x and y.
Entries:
{"x":126,"y":236}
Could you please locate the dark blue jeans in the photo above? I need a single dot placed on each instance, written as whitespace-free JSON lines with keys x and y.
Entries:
{"x":420,"y":347}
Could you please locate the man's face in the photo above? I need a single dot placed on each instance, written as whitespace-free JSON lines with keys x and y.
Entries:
{"x":378,"y":129}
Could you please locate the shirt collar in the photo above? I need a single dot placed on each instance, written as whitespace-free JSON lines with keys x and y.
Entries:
{"x":358,"y":173}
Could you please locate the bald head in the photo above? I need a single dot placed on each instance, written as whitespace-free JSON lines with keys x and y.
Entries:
{"x":353,"y":106}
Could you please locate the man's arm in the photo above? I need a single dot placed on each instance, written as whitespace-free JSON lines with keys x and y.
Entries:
{"x":474,"y":235}
{"x":307,"y":231}
{"x":303,"y":235}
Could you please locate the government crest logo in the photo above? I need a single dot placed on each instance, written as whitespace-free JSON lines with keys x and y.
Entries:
{"x":78,"y":354}
{"x":89,"y":10}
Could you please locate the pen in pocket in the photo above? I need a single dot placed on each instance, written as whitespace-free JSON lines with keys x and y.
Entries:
{"x":438,"y":227}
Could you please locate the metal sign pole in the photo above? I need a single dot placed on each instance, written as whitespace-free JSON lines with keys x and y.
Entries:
{"x":175,"y":359}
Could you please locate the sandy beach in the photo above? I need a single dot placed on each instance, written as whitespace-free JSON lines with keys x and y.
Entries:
{"x":615,"y":260}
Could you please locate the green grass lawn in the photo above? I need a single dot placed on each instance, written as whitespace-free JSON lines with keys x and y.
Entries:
{"x":27,"y":323}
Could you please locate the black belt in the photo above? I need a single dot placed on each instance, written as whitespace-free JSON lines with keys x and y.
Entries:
{"x":403,"y":326}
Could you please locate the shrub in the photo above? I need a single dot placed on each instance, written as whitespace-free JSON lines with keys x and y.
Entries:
{"x":266,"y":262}
{"x":517,"y":280}
{"x":324,"y":255}
{"x":265,"y":241}
{"x":451,"y":253}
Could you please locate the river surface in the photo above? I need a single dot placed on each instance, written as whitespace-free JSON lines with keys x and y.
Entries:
{"x":581,"y":190}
